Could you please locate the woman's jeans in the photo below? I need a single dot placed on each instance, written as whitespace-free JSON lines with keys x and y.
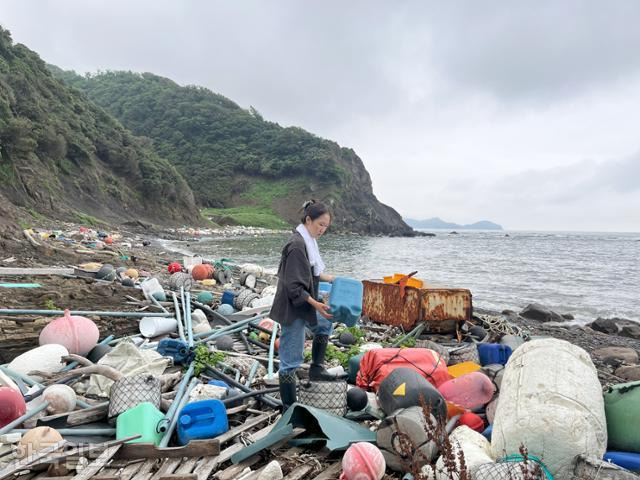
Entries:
{"x":291,"y":351}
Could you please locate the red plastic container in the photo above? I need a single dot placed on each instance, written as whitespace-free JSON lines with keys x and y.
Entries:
{"x":12,"y":405}
{"x":472,"y":421}
{"x":472,"y":390}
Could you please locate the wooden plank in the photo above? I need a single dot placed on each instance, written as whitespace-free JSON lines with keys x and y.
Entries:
{"x":167,"y":468}
{"x":186,"y":467}
{"x":232,"y":471}
{"x":77,"y":417}
{"x":130,"y":470}
{"x":238,"y":409}
{"x":184,"y":476}
{"x":330,"y":473}
{"x":195,"y":448}
{"x":299,"y":472}
{"x":24,"y":464}
{"x":244,"y":427}
{"x":95,"y":466}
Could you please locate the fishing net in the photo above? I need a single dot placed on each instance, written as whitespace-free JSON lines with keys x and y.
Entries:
{"x":328,"y":396}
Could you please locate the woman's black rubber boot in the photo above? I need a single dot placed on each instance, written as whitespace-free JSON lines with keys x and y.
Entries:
{"x":317,"y":372}
{"x":288,"y":385}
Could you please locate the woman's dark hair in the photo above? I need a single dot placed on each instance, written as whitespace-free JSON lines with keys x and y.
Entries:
{"x":313,"y":209}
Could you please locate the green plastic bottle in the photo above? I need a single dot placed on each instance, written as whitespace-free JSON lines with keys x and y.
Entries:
{"x":143,"y":419}
{"x":622,"y":409}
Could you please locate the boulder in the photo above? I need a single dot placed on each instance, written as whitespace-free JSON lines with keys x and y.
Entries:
{"x":630,"y":373}
{"x":617,"y":355}
{"x":616,"y":326}
{"x":535,"y":311}
{"x":631,"y":331}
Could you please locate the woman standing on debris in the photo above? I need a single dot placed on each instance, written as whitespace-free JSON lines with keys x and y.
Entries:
{"x":295,"y":305}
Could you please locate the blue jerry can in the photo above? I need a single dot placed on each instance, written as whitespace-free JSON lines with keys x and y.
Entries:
{"x":176,"y":349}
{"x":346,"y":300}
{"x":203,"y":419}
{"x":493,"y":353}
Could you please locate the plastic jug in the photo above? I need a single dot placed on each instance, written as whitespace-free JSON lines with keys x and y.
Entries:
{"x":228,"y":297}
{"x":142,"y":419}
{"x":176,"y":349}
{"x":203,"y":419}
{"x":472,"y":390}
{"x":493,"y":353}
{"x":346,"y":300}
{"x":324,"y":287}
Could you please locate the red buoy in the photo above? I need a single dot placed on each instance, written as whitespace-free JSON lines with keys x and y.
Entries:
{"x":78,"y":334}
{"x":12,"y":405}
{"x":174,"y":267}
{"x":202,"y":271}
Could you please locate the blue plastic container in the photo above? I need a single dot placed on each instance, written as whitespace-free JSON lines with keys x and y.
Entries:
{"x":227,"y":297}
{"x":487,"y":432}
{"x":324,"y":287}
{"x":218,"y":383}
{"x":176,"y":349}
{"x":628,"y":460}
{"x":493,"y":353}
{"x":346,"y":300}
{"x":203,"y":419}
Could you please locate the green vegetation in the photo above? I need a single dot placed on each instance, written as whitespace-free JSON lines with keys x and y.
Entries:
{"x":223,"y":151}
{"x":49,"y":305}
{"x":88,"y":220}
{"x":205,"y":357}
{"x":70,"y":153}
{"x":248,"y":215}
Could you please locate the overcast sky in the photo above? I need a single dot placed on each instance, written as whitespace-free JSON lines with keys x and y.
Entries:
{"x":523,"y":113}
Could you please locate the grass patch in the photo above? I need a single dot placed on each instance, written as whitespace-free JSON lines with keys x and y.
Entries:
{"x":264,"y":192}
{"x":250,"y":216}
{"x":88,"y":220}
{"x":36,"y":215}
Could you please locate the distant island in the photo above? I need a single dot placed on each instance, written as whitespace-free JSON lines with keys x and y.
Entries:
{"x":435,"y":222}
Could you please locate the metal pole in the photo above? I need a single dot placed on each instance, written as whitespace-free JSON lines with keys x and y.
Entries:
{"x":272,"y":402}
{"x":250,"y":394}
{"x":272,"y":348}
{"x":102,"y":432}
{"x":174,"y":421}
{"x":12,"y":311}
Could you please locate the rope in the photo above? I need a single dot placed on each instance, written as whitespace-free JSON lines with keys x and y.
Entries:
{"x":520,"y":458}
{"x":502,"y":326}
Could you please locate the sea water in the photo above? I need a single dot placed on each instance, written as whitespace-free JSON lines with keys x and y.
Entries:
{"x":585,"y":274}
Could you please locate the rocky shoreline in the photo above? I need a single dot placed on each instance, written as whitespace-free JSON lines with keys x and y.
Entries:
{"x":612,"y":343}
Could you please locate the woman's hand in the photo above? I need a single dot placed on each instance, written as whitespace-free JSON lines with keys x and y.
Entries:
{"x":322,"y":309}
{"x":327,"y":278}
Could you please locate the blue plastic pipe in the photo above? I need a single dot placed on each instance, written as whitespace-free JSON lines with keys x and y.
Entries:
{"x":12,"y":311}
{"x":73,"y":364}
{"x":18,"y":421}
{"x":187,"y":312}
{"x":163,"y":426}
{"x":174,"y":421}
{"x":178,"y":317}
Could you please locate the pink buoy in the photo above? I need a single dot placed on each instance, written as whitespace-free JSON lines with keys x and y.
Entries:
{"x":471,"y":390}
{"x":12,"y":405}
{"x":363,"y":461}
{"x":78,"y":334}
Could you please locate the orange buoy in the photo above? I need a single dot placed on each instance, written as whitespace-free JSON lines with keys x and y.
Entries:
{"x":202,"y":271}
{"x":132,"y":273}
{"x":108,"y":240}
{"x":37,"y":439}
{"x":268,"y":324}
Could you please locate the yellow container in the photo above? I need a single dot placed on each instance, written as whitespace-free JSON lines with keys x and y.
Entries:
{"x":412,"y":282}
{"x":463,"y":368}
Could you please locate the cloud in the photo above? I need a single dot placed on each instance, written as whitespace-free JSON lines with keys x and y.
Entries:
{"x":462,"y":110}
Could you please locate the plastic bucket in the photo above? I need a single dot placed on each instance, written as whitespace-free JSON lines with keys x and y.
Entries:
{"x":154,"y":326}
{"x":151,"y":286}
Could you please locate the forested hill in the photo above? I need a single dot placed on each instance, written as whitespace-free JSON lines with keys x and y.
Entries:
{"x":65,"y":157}
{"x":234,"y":160}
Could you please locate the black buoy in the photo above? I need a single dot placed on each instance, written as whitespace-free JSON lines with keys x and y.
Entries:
{"x":225,"y":342}
{"x":128,"y":282}
{"x":357,"y":399}
{"x":477,"y":333}
{"x":347,"y":338}
{"x":403,"y":387}
{"x":106,"y":272}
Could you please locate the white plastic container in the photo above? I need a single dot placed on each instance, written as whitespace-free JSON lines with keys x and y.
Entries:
{"x":154,"y":326}
{"x":151,"y":286}
{"x":550,"y":401}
